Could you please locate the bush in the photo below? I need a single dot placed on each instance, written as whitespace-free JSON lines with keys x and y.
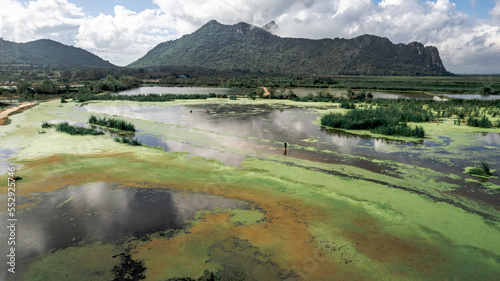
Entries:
{"x":379,"y":121}
{"x":112,"y":123}
{"x":65,"y":127}
{"x":128,"y":140}
{"x":347,"y":105}
{"x":484,"y":122}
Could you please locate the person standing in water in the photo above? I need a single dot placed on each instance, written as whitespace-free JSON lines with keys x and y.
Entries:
{"x":285,"y":143}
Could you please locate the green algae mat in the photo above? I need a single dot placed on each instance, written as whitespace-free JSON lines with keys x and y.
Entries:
{"x":181,"y":208}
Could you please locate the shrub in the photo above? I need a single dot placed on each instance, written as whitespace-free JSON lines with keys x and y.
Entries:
{"x":380,"y":121}
{"x":484,"y":122}
{"x":128,"y":140}
{"x":347,"y":105}
{"x":65,"y":127}
{"x":112,"y":123}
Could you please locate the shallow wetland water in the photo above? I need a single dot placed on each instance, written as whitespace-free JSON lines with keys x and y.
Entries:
{"x":215,"y":192}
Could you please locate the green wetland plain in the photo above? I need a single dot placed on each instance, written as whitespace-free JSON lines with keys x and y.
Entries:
{"x":204,"y":189}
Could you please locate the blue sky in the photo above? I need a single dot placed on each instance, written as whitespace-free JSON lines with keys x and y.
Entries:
{"x":478,"y":8}
{"x":466,"y":32}
{"x":94,"y":7}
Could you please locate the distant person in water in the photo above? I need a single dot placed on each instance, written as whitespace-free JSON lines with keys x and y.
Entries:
{"x":285,"y":145}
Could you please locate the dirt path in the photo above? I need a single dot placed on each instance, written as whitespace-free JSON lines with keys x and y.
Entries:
{"x":4,"y":114}
{"x":266,"y":92}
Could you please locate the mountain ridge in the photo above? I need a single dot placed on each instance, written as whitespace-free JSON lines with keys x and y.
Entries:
{"x":49,"y":53}
{"x":249,"y":48}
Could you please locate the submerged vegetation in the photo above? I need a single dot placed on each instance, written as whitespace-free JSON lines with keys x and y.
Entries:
{"x":112,"y":123}
{"x":481,"y":170}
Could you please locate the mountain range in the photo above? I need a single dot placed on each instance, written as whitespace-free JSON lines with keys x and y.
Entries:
{"x":247,"y":48}
{"x":49,"y":53}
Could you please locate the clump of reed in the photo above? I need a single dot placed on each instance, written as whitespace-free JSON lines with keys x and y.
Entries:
{"x":128,"y":140}
{"x":380,"y":121}
{"x":112,"y":123}
{"x":65,"y":127}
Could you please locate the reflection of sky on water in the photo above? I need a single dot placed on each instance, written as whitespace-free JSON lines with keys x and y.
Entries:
{"x":491,"y":139}
{"x":470,"y":97}
{"x":174,"y":145}
{"x":186,"y":90}
{"x":244,"y":130}
{"x":100,"y":211}
{"x":301,"y":92}
{"x":6,"y":153}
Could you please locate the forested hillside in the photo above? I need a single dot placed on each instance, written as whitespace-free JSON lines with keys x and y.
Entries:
{"x":247,"y":48}
{"x":48,"y":53}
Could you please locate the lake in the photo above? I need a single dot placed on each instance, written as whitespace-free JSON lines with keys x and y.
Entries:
{"x":86,"y":203}
{"x":301,"y":92}
{"x":106,"y":212}
{"x":230,"y":131}
{"x":185,"y":90}
{"x":471,"y":97}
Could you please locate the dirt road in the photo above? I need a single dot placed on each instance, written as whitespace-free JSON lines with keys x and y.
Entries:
{"x":4,"y":114}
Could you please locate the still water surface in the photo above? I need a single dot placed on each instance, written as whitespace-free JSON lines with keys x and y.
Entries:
{"x":231,"y":131}
{"x":106,"y":212}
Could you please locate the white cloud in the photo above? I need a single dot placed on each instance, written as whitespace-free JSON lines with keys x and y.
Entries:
{"x":39,"y":19}
{"x":466,"y":45}
{"x":124,"y":36}
{"x":495,"y":12}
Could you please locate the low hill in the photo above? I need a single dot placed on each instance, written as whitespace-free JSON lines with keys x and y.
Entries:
{"x":48,"y":53}
{"x":247,"y":48}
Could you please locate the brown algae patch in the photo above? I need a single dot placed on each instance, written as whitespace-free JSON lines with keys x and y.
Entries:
{"x":290,"y":204}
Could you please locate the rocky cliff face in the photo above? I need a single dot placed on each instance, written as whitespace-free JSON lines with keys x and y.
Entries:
{"x":246,"y":47}
{"x":429,"y":55}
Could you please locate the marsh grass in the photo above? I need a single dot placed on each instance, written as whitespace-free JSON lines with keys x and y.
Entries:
{"x":65,"y":127}
{"x":380,"y":121}
{"x":112,"y":123}
{"x":128,"y":140}
{"x":45,"y":125}
{"x":483,"y":169}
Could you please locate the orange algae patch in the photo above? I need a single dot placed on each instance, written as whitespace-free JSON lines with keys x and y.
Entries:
{"x":283,"y":240}
{"x":180,"y":256}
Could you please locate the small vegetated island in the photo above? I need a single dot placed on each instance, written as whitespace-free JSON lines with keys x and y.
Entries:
{"x":391,"y":117}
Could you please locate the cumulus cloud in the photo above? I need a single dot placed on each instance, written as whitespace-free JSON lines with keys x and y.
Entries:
{"x":495,"y":12}
{"x":466,"y":45}
{"x":124,"y":36}
{"x":56,"y":19}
